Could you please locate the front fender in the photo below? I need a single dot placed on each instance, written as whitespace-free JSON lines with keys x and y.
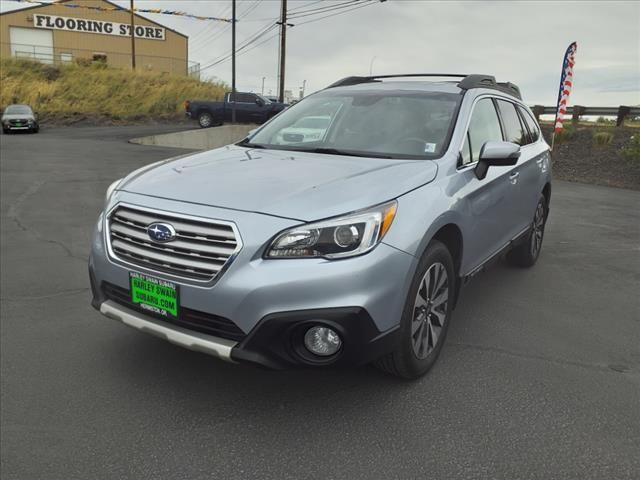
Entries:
{"x":421,"y":213}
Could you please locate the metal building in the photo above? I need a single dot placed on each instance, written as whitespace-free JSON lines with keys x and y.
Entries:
{"x":73,"y":30}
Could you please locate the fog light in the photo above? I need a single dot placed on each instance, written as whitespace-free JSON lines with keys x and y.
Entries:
{"x":322,"y":341}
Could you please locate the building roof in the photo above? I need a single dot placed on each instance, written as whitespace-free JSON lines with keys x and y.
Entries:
{"x":105,"y":1}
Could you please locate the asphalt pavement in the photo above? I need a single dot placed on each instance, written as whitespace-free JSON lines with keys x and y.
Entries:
{"x":539,"y":378}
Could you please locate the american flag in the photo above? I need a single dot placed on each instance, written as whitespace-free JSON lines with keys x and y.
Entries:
{"x":566,"y":82}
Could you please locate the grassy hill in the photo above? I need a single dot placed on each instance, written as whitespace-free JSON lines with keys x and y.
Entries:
{"x":95,"y":90}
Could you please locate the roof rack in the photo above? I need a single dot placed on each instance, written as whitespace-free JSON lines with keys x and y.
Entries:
{"x":489,"y":81}
{"x":467,"y":82}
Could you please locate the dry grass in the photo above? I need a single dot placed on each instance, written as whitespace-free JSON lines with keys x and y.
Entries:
{"x":98,"y":90}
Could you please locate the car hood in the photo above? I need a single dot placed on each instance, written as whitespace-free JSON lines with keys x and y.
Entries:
{"x":296,"y":185}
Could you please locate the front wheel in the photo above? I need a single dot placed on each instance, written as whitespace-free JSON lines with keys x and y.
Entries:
{"x":526,"y":254}
{"x":205,"y":120}
{"x":426,"y":315}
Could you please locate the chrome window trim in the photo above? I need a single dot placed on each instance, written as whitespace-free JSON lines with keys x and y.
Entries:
{"x":468,"y":121}
{"x":115,"y":260}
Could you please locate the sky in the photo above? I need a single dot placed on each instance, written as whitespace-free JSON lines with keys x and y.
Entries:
{"x":518,"y":41}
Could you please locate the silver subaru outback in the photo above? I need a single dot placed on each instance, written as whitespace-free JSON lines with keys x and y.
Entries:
{"x":342,"y":246}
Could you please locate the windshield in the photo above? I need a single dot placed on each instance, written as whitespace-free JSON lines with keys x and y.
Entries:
{"x":313,"y":122}
{"x":17,"y":110}
{"x":395,"y":124}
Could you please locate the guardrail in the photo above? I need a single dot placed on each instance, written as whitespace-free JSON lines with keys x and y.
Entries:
{"x":578,"y":111}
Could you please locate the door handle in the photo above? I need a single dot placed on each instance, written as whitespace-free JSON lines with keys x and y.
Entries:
{"x":513,"y":178}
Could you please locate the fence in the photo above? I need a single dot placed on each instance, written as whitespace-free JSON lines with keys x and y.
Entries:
{"x":57,"y":56}
{"x":578,"y":111}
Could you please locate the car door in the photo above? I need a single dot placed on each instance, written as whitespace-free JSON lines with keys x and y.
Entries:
{"x":488,"y":202}
{"x":525,"y":173}
{"x":534,"y":173}
{"x":245,"y":107}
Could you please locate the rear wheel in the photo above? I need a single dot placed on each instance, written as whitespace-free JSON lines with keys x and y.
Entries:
{"x":205,"y":120}
{"x":526,"y":254}
{"x":426,"y":315}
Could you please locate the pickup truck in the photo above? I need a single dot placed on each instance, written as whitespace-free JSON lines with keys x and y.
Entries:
{"x":250,"y":108}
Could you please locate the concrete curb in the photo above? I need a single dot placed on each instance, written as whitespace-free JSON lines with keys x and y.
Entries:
{"x":200,"y":139}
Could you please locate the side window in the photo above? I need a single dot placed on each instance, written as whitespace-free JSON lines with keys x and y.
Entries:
{"x":514,"y":130}
{"x":483,"y":127}
{"x":534,"y":130}
{"x":241,"y":97}
{"x":466,"y":151}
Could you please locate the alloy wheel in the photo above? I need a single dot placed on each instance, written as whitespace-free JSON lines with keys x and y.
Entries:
{"x":538,"y":230}
{"x":205,"y":120}
{"x":430,"y":310}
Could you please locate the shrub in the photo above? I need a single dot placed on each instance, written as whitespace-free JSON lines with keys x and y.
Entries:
{"x":565,"y":134}
{"x":602,"y":138}
{"x":631,"y":151}
{"x":50,"y":72}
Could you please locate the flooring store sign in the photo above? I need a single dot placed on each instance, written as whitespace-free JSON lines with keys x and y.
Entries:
{"x":52,"y":22}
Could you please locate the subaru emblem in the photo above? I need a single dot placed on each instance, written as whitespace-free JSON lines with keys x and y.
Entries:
{"x":161,"y":232}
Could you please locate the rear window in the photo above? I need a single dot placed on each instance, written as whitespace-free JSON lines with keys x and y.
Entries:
{"x":534,"y":130}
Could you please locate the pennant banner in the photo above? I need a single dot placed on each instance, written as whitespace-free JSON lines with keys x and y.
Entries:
{"x":138,"y":10}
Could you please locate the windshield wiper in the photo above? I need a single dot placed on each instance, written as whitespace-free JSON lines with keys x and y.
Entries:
{"x":336,"y":151}
{"x":250,"y":145}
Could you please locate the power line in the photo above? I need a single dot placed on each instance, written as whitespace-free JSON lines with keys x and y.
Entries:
{"x":326,"y":8}
{"x":254,"y":38}
{"x":224,"y":60}
{"x":215,"y":35}
{"x":306,"y":5}
{"x":194,"y":39}
{"x":371,"y":2}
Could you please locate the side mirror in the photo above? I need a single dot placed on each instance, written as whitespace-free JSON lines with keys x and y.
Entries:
{"x":497,"y":154}
{"x":259,"y":102}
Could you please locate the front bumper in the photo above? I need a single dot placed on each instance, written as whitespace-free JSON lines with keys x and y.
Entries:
{"x":271,"y":302}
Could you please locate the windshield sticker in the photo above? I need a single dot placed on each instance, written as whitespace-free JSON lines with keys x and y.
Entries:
{"x":429,"y":147}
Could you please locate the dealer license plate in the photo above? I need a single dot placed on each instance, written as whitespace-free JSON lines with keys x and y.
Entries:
{"x":155,"y":295}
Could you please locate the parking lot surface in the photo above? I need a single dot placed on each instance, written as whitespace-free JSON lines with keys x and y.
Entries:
{"x":539,"y":378}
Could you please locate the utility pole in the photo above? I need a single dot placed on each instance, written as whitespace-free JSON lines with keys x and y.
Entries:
{"x":263,"y":78}
{"x":283,"y":46}
{"x":133,"y":39}
{"x":233,"y":61}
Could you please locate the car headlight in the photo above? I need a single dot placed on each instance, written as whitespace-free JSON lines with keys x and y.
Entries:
{"x":111,"y":189}
{"x":340,"y":237}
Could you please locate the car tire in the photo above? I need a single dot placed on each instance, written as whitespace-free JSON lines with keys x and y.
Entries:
{"x":35,"y":130}
{"x":426,"y":316}
{"x":205,"y":120}
{"x":5,"y":131}
{"x":526,"y":253}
